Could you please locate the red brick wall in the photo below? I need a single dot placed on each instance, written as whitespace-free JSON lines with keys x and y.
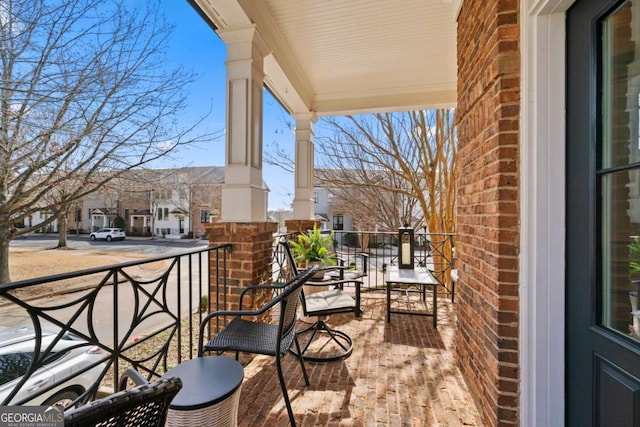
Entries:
{"x":250,"y":259}
{"x":488,"y":205}
{"x":300,"y":225}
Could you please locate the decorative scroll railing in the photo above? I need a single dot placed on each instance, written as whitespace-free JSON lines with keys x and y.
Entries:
{"x":142,"y":314}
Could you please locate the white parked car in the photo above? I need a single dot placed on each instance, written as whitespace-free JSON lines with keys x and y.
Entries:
{"x":69,"y":355}
{"x":108,"y":234}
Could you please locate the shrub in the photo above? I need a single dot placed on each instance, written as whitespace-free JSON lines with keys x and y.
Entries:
{"x":118,"y":222}
{"x":350,"y":239}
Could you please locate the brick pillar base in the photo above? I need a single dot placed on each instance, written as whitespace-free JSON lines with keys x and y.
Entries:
{"x":249,"y":262}
{"x":300,"y":225}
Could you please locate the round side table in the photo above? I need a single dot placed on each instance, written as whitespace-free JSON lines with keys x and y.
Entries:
{"x":210,"y":392}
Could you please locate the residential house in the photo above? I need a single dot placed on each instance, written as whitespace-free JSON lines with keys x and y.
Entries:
{"x":330,"y":215}
{"x":170,"y":203}
{"x":39,"y":218}
{"x":546,"y":95}
{"x":346,"y":204}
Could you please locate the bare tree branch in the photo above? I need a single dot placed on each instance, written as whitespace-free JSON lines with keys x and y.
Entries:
{"x":392,"y":168}
{"x":84,"y":97}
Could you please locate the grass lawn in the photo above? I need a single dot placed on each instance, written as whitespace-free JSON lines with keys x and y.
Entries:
{"x":29,"y":263}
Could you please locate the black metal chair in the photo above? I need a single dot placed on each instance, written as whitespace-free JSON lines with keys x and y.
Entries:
{"x":353,"y":271}
{"x":145,"y":405}
{"x":261,"y":337}
{"x":323,"y":303}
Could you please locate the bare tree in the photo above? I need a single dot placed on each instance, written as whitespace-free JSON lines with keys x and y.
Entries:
{"x":387,"y":169}
{"x":370,"y":207}
{"x":83,"y":97}
{"x":395,"y":169}
{"x":398,"y":167}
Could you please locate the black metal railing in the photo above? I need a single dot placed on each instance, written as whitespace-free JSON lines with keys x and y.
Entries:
{"x":372,"y":252}
{"x":145,"y":314}
{"x":142,"y":314}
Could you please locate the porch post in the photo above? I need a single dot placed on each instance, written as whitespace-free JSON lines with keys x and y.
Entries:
{"x":244,"y":197}
{"x":303,"y":206}
{"x":249,"y":262}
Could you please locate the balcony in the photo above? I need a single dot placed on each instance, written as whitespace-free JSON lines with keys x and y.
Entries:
{"x":400,"y":373}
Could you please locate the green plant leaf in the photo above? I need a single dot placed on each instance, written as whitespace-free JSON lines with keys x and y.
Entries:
{"x":634,"y":256}
{"x":313,"y":246}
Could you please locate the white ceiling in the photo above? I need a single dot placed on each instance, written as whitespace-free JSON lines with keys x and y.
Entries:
{"x":351,"y":56}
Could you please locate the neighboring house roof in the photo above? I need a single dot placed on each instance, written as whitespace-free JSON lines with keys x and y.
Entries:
{"x":321,"y":217}
{"x":103,"y":211}
{"x":178,"y":211}
{"x":192,"y":175}
{"x":322,"y":178}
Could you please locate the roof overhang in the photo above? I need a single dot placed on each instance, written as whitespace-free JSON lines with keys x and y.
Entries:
{"x":335,"y":57}
{"x":178,"y":211}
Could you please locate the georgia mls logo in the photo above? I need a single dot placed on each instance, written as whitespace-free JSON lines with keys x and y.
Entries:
{"x":31,"y":416}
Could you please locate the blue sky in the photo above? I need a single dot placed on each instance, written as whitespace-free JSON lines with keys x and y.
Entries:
{"x":195,"y":46}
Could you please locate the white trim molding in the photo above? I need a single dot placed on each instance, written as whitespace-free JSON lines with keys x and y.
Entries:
{"x":542,"y":207}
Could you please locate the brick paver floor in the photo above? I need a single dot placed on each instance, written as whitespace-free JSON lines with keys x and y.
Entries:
{"x":401,"y":373}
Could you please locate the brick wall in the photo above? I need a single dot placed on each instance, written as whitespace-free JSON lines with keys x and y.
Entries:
{"x":488,"y":205}
{"x":249,"y":262}
{"x":300,"y":225}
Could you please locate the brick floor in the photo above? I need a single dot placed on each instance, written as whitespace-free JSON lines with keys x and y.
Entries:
{"x":399,"y":374}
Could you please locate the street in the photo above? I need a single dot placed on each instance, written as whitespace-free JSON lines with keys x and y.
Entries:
{"x":139,"y":245}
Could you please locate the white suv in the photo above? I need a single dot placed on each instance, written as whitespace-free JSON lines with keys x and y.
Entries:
{"x":108,"y":234}
{"x":69,"y":355}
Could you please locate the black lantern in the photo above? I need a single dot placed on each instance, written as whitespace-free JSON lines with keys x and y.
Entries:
{"x":406,"y":245}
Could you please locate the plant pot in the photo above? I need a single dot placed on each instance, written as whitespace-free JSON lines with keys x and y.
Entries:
{"x":319,"y":275}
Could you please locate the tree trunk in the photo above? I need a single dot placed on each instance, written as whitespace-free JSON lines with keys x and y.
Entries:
{"x":5,"y":239}
{"x":62,"y":231}
{"x":364,"y":244}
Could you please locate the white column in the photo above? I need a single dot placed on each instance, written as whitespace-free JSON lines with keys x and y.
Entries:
{"x":303,"y":205}
{"x":244,"y":197}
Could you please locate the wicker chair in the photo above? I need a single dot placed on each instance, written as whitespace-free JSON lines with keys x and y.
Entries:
{"x":251,"y":336}
{"x":145,"y":405}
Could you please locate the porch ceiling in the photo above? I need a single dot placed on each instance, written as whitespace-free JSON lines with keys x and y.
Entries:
{"x":343,"y":57}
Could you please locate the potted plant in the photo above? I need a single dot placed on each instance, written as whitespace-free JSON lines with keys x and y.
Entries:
{"x":313,"y":248}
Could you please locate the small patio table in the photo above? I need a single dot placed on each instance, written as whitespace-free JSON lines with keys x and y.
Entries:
{"x":420,"y":276}
{"x":210,"y":392}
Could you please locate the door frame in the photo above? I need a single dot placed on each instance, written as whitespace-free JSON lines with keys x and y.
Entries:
{"x":542,"y":212}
